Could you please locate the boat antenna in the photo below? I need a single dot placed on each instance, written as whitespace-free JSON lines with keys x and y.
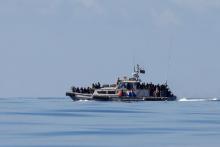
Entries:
{"x":133,"y":60}
{"x":138,"y":71}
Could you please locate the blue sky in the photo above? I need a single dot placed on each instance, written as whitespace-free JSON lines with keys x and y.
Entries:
{"x":48,"y":45}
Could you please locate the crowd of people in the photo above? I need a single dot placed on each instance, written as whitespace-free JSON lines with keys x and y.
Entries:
{"x":154,"y":90}
{"x":86,"y":90}
{"x":96,"y":85}
{"x":82,"y":89}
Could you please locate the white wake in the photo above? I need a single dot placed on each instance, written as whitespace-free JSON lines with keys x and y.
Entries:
{"x":197,"y":99}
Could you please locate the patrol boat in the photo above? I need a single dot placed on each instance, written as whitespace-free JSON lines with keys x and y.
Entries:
{"x":125,"y":89}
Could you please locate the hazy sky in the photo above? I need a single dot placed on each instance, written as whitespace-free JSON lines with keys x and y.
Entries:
{"x":48,"y":45}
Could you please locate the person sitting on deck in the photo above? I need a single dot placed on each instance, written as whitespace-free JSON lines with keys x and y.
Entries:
{"x":73,"y":89}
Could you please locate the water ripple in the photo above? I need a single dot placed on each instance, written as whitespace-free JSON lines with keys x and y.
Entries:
{"x":48,"y":114}
{"x":101,"y":111}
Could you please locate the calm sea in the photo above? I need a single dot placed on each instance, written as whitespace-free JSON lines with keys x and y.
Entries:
{"x":53,"y":122}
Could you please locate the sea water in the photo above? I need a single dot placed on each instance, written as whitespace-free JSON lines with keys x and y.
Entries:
{"x":53,"y":122}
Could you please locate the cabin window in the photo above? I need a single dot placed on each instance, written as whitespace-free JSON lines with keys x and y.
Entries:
{"x":101,"y":92}
{"x":113,"y":85}
{"x":111,"y":92}
{"x":106,"y":85}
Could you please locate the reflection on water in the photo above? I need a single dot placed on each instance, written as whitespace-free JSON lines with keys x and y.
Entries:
{"x":61,"y":122}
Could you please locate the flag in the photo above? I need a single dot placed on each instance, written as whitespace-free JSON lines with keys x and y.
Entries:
{"x":142,"y":71}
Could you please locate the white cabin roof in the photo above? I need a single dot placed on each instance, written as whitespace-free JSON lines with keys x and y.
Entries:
{"x":128,"y":81}
{"x":107,"y":88}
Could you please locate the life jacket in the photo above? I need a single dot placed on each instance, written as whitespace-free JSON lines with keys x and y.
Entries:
{"x":120,"y":93}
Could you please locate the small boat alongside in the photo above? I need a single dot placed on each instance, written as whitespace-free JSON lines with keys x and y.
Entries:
{"x":125,"y":89}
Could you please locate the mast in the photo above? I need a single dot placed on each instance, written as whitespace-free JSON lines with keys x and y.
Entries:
{"x":138,"y":71}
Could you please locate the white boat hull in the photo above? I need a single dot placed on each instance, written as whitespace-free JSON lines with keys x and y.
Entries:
{"x":80,"y":96}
